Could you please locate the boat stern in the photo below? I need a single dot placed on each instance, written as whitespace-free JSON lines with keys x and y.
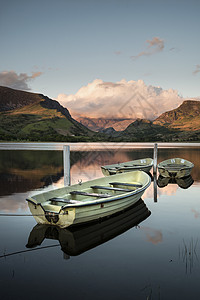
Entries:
{"x":43,"y":215}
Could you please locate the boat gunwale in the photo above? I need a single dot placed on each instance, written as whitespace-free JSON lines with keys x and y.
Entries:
{"x":190,"y":164}
{"x":107,"y":167}
{"x":107,"y":200}
{"x":100,"y":200}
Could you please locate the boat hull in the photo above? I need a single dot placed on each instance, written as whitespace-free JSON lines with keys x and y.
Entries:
{"x":144,"y":165}
{"x":86,"y":211}
{"x":76,"y":240}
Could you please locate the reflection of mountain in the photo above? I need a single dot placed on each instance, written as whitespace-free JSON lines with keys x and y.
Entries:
{"x":22,"y":171}
{"x":79,"y":239}
{"x":26,"y":170}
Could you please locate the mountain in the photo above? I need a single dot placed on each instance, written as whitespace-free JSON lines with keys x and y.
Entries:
{"x":35,"y":117}
{"x":100,"y":124}
{"x":26,"y":116}
{"x":180,"y":124}
{"x":186,"y":117}
{"x":142,"y":130}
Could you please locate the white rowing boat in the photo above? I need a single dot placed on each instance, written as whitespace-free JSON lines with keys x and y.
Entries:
{"x":144,"y":164}
{"x":90,"y":200}
{"x":175,"y":167}
{"x":78,"y":239}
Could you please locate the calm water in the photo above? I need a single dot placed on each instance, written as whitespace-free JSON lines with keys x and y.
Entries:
{"x":151,"y":251}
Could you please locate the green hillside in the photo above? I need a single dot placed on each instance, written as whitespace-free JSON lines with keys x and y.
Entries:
{"x":34,"y":117}
{"x":186,"y":117}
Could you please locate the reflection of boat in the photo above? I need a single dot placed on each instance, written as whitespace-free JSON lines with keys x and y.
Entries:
{"x":175,"y":167}
{"x":144,"y":164}
{"x":184,"y":182}
{"x":90,"y":200}
{"x":79,"y":239}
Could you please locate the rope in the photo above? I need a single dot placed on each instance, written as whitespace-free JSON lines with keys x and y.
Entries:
{"x":26,"y":215}
{"x":15,"y":215}
{"x":29,"y":250}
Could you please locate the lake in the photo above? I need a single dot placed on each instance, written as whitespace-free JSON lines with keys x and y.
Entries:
{"x":150,"y":251}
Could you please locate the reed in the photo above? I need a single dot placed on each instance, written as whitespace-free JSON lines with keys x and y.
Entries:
{"x":188,"y":254}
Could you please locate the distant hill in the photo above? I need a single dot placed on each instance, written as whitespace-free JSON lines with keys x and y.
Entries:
{"x":186,"y":117}
{"x":101,"y":124}
{"x":180,"y":124}
{"x":142,"y":130}
{"x":35,"y":117}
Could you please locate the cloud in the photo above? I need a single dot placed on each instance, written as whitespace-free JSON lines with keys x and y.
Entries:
{"x":13,"y":80}
{"x":118,"y":52}
{"x":197,"y":70}
{"x":123,"y":99}
{"x":155,"y":45}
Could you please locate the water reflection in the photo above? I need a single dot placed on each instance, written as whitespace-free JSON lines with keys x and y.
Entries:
{"x":108,"y":270}
{"x":184,"y":182}
{"x":24,"y":171}
{"x":76,"y":240}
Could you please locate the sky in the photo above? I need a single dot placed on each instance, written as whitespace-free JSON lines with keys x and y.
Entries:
{"x":66,"y":48}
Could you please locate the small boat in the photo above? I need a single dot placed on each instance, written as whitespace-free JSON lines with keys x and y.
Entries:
{"x":88,"y":201}
{"x":79,"y":239}
{"x":175,"y":167}
{"x":144,"y":164}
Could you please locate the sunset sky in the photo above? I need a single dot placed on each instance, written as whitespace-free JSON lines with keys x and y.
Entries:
{"x":59,"y":47}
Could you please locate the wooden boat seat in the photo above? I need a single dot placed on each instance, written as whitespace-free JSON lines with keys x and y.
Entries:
{"x":89,"y":194}
{"x":175,"y":166}
{"x":66,"y":201}
{"x":126,"y":184}
{"x":110,"y":188}
{"x":129,"y":166}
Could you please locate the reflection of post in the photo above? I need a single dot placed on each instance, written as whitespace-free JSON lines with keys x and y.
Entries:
{"x":66,"y":164}
{"x":155,"y":186}
{"x":155,"y":155}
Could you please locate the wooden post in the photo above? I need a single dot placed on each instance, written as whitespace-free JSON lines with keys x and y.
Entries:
{"x":66,"y":165}
{"x":155,"y":154}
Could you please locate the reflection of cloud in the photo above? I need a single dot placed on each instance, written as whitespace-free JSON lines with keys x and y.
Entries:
{"x":155,"y":45}
{"x":14,"y":203}
{"x":13,"y":80}
{"x":123,"y":99}
{"x":196,"y":213}
{"x":169,"y":190}
{"x":153,"y":235}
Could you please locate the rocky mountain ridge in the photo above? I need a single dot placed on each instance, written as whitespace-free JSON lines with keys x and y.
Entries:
{"x":32,"y":116}
{"x":185,"y":117}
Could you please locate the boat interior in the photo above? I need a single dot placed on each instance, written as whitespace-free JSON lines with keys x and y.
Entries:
{"x":85,"y":195}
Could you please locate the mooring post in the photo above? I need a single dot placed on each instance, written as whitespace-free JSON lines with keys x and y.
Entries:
{"x":155,"y":155}
{"x":66,"y":165}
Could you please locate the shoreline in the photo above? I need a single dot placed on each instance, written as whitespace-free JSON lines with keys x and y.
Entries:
{"x":90,"y":146}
